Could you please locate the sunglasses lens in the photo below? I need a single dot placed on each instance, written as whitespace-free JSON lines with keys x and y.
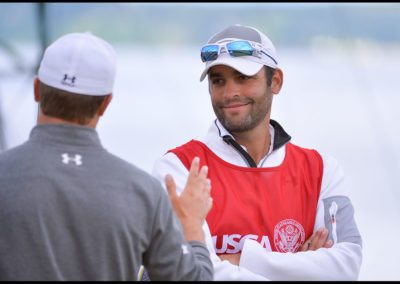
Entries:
{"x":209,"y":53}
{"x":240,"y":48}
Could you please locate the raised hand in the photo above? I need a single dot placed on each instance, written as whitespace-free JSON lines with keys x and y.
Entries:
{"x":194,"y":203}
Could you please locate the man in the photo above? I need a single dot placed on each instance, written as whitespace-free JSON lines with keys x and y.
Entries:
{"x":280,"y":212}
{"x":70,"y":210}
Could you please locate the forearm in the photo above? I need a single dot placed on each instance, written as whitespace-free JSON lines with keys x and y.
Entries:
{"x":223,"y":269}
{"x":193,"y":232}
{"x":341,"y":262}
{"x":169,"y":257}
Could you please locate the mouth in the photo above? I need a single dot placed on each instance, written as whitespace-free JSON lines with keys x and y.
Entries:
{"x":235,"y":105}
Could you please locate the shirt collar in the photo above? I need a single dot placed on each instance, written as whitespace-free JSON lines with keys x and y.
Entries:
{"x":65,"y":135}
{"x":279,"y":136}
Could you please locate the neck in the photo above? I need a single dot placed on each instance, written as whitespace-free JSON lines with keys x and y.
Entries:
{"x":45,"y":119}
{"x":257,"y":140}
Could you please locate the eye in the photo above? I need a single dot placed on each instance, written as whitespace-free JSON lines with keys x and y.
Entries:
{"x":243,"y":77}
{"x":217,"y":81}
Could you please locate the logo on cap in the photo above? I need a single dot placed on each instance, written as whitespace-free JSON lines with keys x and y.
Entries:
{"x":70,"y":81}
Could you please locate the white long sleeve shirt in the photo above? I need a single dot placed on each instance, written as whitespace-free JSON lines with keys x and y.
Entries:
{"x":340,"y":262}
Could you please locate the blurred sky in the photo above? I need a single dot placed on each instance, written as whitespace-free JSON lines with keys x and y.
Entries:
{"x":340,"y":93}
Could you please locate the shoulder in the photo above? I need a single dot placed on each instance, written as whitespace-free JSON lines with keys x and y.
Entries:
{"x":186,"y":152}
{"x":17,"y":156}
{"x":303,"y":150}
{"x":119,"y":179}
{"x":333,"y":180}
{"x":329,"y":162}
{"x":170,"y":164}
{"x":190,"y":146}
{"x":130,"y":172}
{"x":308,"y":156}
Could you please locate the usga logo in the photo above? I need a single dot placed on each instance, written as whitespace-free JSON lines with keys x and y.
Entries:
{"x":288,"y":235}
{"x":234,"y":243}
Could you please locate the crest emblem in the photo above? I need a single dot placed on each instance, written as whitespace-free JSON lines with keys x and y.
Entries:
{"x":288,"y":235}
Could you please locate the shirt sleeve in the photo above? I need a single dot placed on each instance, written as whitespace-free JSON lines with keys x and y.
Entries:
{"x":340,"y":262}
{"x":223,"y":270}
{"x":169,"y":256}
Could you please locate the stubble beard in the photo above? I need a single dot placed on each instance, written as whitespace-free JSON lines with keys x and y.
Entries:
{"x":256,"y":115}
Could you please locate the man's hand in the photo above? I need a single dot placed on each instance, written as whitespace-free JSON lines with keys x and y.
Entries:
{"x":193,"y":205}
{"x":233,"y":258}
{"x":319,"y":239}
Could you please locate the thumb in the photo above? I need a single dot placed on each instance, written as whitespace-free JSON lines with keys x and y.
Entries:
{"x":171,"y":186}
{"x":328,"y":244}
{"x":209,"y":204}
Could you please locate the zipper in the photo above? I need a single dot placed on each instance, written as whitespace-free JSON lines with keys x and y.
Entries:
{"x":230,"y":141}
{"x":332,"y":214}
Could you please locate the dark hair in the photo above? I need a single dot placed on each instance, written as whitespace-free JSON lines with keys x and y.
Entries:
{"x":269,"y":73}
{"x":68,"y":106}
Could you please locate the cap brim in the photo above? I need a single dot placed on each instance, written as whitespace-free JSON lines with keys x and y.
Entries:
{"x":241,"y":64}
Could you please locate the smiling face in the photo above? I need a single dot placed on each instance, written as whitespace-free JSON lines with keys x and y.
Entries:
{"x":240,"y":102}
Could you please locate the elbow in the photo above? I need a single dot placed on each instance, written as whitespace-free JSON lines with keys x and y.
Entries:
{"x":350,"y":264}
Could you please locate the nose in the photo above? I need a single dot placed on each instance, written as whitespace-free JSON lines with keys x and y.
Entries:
{"x":231,"y":89}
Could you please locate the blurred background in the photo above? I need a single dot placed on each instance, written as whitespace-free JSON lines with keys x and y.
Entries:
{"x":340,"y":95}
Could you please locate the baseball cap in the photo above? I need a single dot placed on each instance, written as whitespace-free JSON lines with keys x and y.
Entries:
{"x":248,"y":65}
{"x":79,"y":63}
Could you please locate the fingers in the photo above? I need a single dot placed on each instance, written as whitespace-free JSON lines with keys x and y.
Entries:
{"x":194,"y":170}
{"x":328,"y":244}
{"x":307,"y":244}
{"x":194,"y":167}
{"x":197,"y":179}
{"x":171,"y":186}
{"x":203,"y":172}
{"x":318,"y":239}
{"x":232,"y":258}
{"x":197,"y":189}
{"x":208,"y":185}
{"x":210,"y":203}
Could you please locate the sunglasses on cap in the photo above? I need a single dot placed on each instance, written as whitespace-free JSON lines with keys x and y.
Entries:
{"x":235,"y":48}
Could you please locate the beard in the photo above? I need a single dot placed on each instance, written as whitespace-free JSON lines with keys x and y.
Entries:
{"x":258,"y":111}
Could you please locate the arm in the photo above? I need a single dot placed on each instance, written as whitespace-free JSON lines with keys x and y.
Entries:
{"x":340,"y":262}
{"x":317,"y":240}
{"x":169,"y":256}
{"x":223,"y":270}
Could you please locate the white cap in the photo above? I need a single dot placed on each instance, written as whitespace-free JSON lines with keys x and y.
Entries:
{"x":248,"y":65}
{"x":79,"y":63}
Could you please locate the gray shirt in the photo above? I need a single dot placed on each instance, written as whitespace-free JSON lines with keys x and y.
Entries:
{"x":70,"y":210}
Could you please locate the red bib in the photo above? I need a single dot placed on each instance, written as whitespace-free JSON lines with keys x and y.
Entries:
{"x":275,"y":206}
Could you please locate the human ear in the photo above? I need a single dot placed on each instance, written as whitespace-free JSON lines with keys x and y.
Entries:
{"x":277,"y":81}
{"x":36,"y":89}
{"x":104,"y":105}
